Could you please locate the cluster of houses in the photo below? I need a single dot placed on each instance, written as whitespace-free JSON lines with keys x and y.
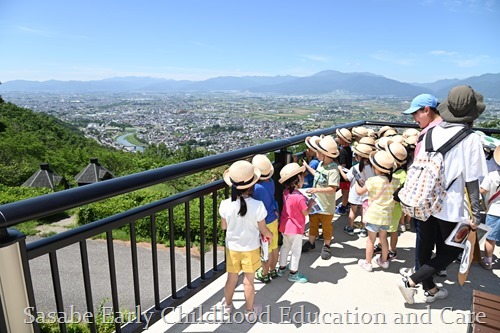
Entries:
{"x":46,"y":177}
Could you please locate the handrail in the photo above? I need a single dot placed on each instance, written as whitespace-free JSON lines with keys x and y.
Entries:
{"x":21,"y":211}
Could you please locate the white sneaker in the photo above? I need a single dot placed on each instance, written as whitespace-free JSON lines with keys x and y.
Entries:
{"x":227,"y":308}
{"x":406,"y":272}
{"x":383,"y":265}
{"x":253,"y":315}
{"x":442,"y":293}
{"x":365,"y":265}
{"x":407,"y":291}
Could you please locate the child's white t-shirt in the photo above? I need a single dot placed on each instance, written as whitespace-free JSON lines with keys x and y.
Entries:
{"x":491,"y":183}
{"x":242,"y":231}
{"x":354,"y":197}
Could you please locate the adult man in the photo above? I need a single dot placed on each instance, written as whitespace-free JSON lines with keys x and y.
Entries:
{"x":463,"y":166}
{"x":423,"y":108}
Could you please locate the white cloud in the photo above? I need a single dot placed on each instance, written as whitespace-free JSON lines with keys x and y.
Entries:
{"x":443,"y":53}
{"x":317,"y":58}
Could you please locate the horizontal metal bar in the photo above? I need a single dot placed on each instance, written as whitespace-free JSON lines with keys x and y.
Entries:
{"x":48,"y":204}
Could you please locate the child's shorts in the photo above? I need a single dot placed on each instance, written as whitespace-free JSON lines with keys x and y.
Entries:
{"x":326,"y":224}
{"x":273,"y":227}
{"x":248,"y":261}
{"x":376,"y":228}
{"x":493,"y":222}
{"x":345,"y":185}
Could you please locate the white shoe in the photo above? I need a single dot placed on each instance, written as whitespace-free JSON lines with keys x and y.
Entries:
{"x":383,"y":265}
{"x":365,"y":265}
{"x":442,"y":293}
{"x":407,"y":291}
{"x":406,"y":272}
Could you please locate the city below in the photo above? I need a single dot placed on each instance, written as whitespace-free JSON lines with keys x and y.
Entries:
{"x":215,"y":121}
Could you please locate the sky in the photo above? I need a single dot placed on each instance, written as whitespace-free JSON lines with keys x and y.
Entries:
{"x":415,"y":41}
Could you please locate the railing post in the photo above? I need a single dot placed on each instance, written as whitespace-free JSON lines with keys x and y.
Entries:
{"x":13,"y":290}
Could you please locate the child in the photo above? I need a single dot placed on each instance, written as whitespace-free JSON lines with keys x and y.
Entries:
{"x":244,"y":219}
{"x":311,"y":159}
{"x":344,"y":139}
{"x":364,"y":170}
{"x":293,"y":220}
{"x":378,"y":215}
{"x":326,"y":182}
{"x":398,"y":152}
{"x":264,"y":191}
{"x":490,"y":188}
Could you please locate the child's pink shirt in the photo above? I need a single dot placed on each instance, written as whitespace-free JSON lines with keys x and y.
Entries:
{"x":292,"y":221}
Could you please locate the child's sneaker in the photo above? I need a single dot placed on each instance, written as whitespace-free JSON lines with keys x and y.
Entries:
{"x":341,"y":210}
{"x":325,"y":252}
{"x":392,"y":255}
{"x":363,"y":233}
{"x":442,"y":293}
{"x":383,"y":265}
{"x":442,"y":273}
{"x":348,"y":230}
{"x":365,"y":265}
{"x":227,"y":309}
{"x":308,"y":246}
{"x":406,"y":272}
{"x":407,"y":291}
{"x":274,"y":273}
{"x":377,"y":249}
{"x":252,"y":315}
{"x":298,"y":277}
{"x":281,"y":272}
{"x":486,"y":265}
{"x":265,"y":278}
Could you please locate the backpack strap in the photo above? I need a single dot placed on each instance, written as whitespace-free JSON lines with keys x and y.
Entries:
{"x":459,"y":136}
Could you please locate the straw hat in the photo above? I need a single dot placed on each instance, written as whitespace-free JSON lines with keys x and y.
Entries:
{"x":397,"y":138}
{"x":381,"y":143}
{"x":327,"y":146}
{"x":360,"y":132}
{"x":345,"y":134}
{"x":265,"y":166}
{"x":410,"y":132}
{"x":496,"y":155}
{"x":397,"y":151}
{"x":312,"y":141}
{"x":382,"y":161}
{"x":390,"y":132}
{"x":363,"y":150}
{"x":290,"y":170}
{"x":370,"y":132}
{"x":368,"y":141}
{"x":384,"y":129}
{"x":242,"y":175}
{"x":411,"y":141}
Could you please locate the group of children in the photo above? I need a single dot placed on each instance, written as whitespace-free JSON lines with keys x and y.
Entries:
{"x":368,"y":167}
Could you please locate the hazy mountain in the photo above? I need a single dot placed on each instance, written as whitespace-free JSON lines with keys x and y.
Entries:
{"x":323,"y":82}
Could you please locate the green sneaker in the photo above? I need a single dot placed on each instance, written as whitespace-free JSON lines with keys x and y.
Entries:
{"x":261,"y":277}
{"x":298,"y":277}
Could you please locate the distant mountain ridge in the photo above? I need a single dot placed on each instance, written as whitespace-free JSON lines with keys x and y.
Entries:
{"x":323,"y":82}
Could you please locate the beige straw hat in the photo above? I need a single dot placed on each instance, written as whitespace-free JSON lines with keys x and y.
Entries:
{"x":327,"y":146}
{"x":410,"y":132}
{"x":363,"y":150}
{"x":312,"y":141}
{"x":397,"y":138}
{"x":397,"y":151}
{"x":382,"y":161}
{"x":411,"y":141}
{"x":242,"y":175}
{"x":384,"y":129}
{"x":265,"y":166}
{"x":367,"y":140}
{"x":381,"y":143}
{"x":390,"y":132}
{"x":360,"y":132}
{"x":290,"y":170}
{"x":496,"y":155}
{"x":345,"y":134}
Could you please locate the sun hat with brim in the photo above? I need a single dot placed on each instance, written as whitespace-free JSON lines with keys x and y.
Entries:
{"x":496,"y":155}
{"x":265,"y":166}
{"x":463,"y":105}
{"x":396,"y":138}
{"x":241,"y":175}
{"x":397,"y":151}
{"x":410,"y":132}
{"x":383,"y":129}
{"x":360,"y":132}
{"x":411,"y":141}
{"x":363,"y":150}
{"x":420,"y":102}
{"x":390,"y":132}
{"x":327,"y":146}
{"x":381,"y":143}
{"x":311,"y":141}
{"x":290,"y":170}
{"x":382,"y":161}
{"x":345,"y":134}
{"x":370,"y":132}
{"x":367,"y":140}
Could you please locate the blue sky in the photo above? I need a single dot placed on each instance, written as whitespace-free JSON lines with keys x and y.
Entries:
{"x":406,"y":40}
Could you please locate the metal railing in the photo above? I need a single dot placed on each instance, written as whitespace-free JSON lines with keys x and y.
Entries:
{"x":15,"y":213}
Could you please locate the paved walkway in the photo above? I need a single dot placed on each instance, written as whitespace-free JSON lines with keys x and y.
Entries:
{"x":340,"y":297}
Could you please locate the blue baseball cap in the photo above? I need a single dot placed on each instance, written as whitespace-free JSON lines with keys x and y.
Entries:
{"x":421,"y":101}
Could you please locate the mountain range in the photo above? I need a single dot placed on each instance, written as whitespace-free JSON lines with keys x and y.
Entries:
{"x":328,"y":81}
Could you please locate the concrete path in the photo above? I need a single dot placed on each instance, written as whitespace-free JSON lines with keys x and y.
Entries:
{"x":340,"y":297}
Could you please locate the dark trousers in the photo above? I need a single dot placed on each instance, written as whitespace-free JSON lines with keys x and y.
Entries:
{"x":434,"y":232}
{"x":416,"y":225}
